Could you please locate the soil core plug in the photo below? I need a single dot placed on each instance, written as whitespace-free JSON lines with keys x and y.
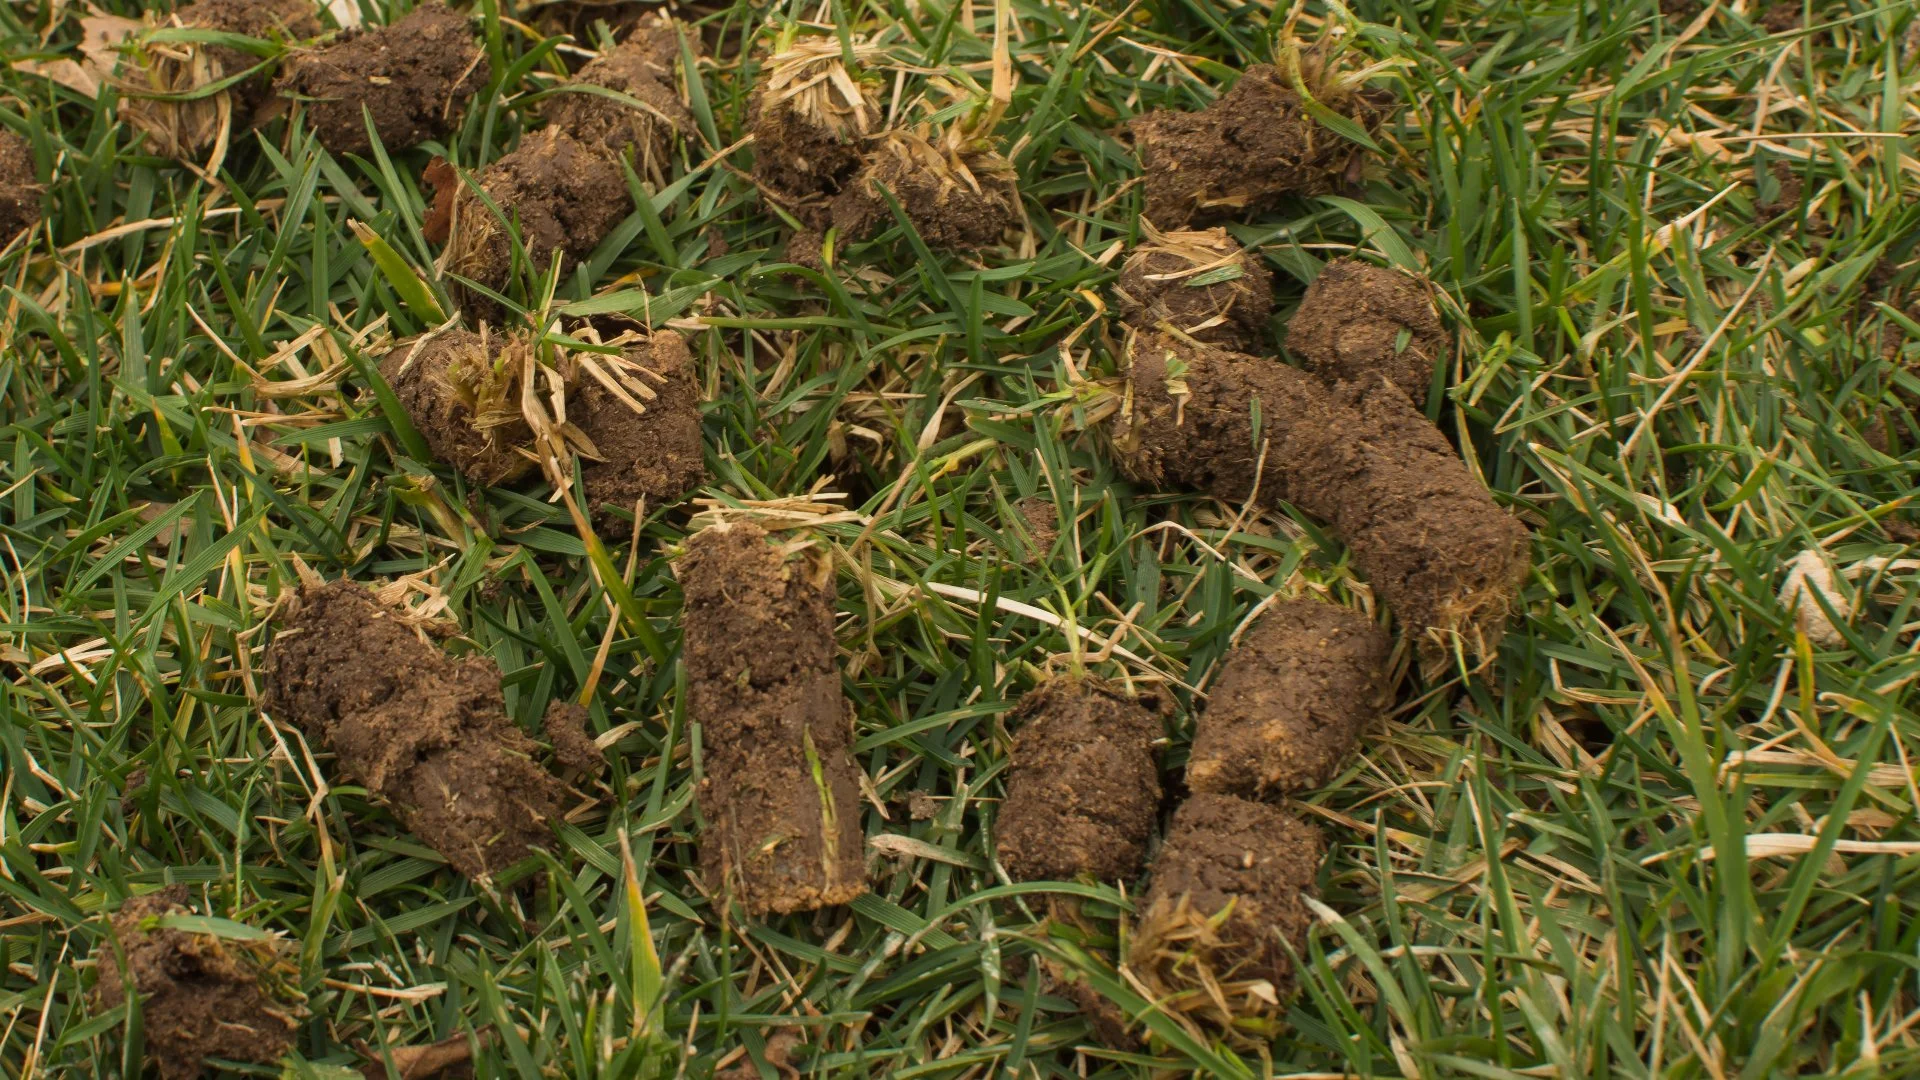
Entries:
{"x":1082,"y":792}
{"x":413,"y":77}
{"x":186,"y":96}
{"x":1367,"y":324}
{"x":781,"y":796}
{"x":201,"y":996}
{"x":810,"y":116}
{"x":426,"y":734}
{"x":1201,"y":284}
{"x":1290,"y":703}
{"x":957,"y":190}
{"x":20,"y":188}
{"x":627,"y":100}
{"x":1258,"y":144}
{"x":1430,"y":539}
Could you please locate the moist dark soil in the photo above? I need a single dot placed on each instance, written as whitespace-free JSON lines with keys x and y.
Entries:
{"x":801,"y":163}
{"x":200,"y":996}
{"x":1290,"y":702}
{"x":1369,"y":324}
{"x":781,"y":796}
{"x":414,"y":77}
{"x":1247,"y":151}
{"x":1201,"y":284}
{"x":561,"y":197}
{"x":20,"y":189}
{"x":1082,"y":791}
{"x":963,"y":201}
{"x":642,"y":68}
{"x":426,"y":734}
{"x":1429,"y":537}
{"x":1246,"y":861}
{"x":434,"y":383}
{"x":656,"y":455}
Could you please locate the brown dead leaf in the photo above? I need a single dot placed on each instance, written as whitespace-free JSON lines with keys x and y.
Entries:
{"x":420,"y":1062}
{"x":100,"y":38}
{"x":64,"y":72}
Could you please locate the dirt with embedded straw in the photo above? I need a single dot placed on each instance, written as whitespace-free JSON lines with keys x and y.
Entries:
{"x":268,"y":20}
{"x":428,"y":379}
{"x":1428,"y":536}
{"x":642,"y":68}
{"x":427,"y":734}
{"x":1369,"y":324}
{"x":1187,"y":286}
{"x":414,"y":77}
{"x":958,"y":202}
{"x":781,"y":796}
{"x":1290,"y":702}
{"x":20,"y":188}
{"x":1082,"y":791}
{"x":1247,"y":151}
{"x":200,"y":996}
{"x":802,"y":164}
{"x":1228,"y":885}
{"x":655,"y":455}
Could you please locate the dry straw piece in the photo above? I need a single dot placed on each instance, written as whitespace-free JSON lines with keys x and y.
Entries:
{"x":1197,"y":282}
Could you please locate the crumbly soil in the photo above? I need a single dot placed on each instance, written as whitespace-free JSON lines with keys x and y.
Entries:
{"x":1428,"y":536}
{"x":1290,"y":702}
{"x":641,"y":67}
{"x":563,"y":198}
{"x":1246,"y":861}
{"x":1042,"y":518}
{"x":200,"y":996}
{"x":433,"y":382}
{"x":181,"y":126}
{"x":1082,"y":791}
{"x":20,"y":189}
{"x":1369,"y":324}
{"x":1247,"y":151}
{"x":781,"y":796}
{"x":802,"y":164}
{"x":414,"y":77}
{"x":1201,"y":284}
{"x":655,"y":455}
{"x":963,"y":199}
{"x":426,"y":734}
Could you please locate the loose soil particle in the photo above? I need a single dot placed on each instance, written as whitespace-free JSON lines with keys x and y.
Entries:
{"x":200,"y":996}
{"x":20,"y":189}
{"x":656,"y":455}
{"x":1369,"y":324}
{"x":780,"y":797}
{"x":1082,"y":791}
{"x":1200,"y":283}
{"x":1228,"y":885}
{"x":426,"y":734}
{"x":641,"y":68}
{"x":1247,"y":151}
{"x":434,"y":382}
{"x":414,"y":77}
{"x":561,"y":197}
{"x":1429,"y":537}
{"x":1290,"y":702}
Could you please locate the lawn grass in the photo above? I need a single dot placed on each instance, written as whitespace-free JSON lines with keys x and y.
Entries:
{"x":1677,"y":251}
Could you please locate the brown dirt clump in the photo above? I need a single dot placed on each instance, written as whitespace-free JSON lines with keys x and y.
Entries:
{"x":159,"y":76}
{"x":426,"y":734}
{"x":1201,"y":284}
{"x":20,"y":188}
{"x":1082,"y":791}
{"x":562,"y":198}
{"x":440,"y":383}
{"x":1229,"y":885}
{"x":1253,"y":147}
{"x":641,"y":68}
{"x":655,"y":455}
{"x":810,"y":118}
{"x":414,"y":77}
{"x":1290,"y":702}
{"x":781,"y":795}
{"x":201,"y":996}
{"x":958,"y":193}
{"x":1428,"y":536}
{"x":1366,"y":324}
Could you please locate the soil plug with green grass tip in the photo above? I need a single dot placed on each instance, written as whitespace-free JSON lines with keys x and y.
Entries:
{"x":627,"y":101}
{"x":1370,"y":325}
{"x":1198,"y":283}
{"x":187,"y":96}
{"x":781,"y":795}
{"x":1430,"y":539}
{"x":811,"y":115}
{"x":413,"y":78}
